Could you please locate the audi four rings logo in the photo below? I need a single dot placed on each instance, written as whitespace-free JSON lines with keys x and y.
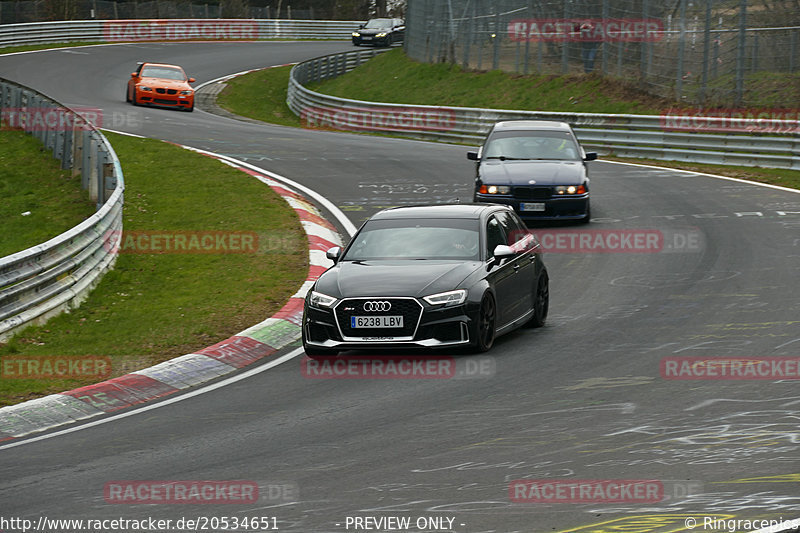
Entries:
{"x":377,"y":306}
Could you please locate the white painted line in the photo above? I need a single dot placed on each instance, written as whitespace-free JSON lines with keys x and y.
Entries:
{"x":233,"y":379}
{"x":740,"y":180}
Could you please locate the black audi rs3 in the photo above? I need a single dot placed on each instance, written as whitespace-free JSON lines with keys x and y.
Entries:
{"x":428,"y":277}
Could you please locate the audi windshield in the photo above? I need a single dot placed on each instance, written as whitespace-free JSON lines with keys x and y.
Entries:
{"x":440,"y":238}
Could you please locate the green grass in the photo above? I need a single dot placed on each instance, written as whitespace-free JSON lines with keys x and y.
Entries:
{"x":260,"y":95}
{"x":393,"y":77}
{"x":46,"y":46}
{"x":153,"y":307}
{"x":31,"y":181}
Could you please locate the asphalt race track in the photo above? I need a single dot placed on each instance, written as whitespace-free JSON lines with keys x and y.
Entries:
{"x":581,"y":399}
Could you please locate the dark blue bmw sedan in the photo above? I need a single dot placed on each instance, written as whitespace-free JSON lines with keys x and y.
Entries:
{"x":537,"y":167}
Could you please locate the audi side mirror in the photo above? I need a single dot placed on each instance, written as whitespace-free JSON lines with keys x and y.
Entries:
{"x":333,"y":253}
{"x":502,"y":251}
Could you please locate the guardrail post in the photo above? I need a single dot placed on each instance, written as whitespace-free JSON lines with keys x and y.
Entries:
{"x":89,"y":176}
{"x":66,"y":148}
{"x":77,"y":151}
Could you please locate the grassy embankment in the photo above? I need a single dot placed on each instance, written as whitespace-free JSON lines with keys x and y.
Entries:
{"x":153,"y":307}
{"x":392,"y":77}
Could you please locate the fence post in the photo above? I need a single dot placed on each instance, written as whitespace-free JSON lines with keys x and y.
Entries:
{"x":565,"y":45}
{"x":706,"y":53}
{"x":681,"y":50}
{"x":740,"y":56}
{"x":604,"y":48}
{"x":496,"y":39}
{"x":643,"y":49}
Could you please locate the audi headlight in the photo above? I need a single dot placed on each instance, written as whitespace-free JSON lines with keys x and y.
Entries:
{"x":317,"y":299}
{"x":495,"y":189}
{"x":145,"y":88}
{"x":447,"y":298}
{"x":570,"y":189}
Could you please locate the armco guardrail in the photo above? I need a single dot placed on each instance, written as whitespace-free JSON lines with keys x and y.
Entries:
{"x":667,"y":137}
{"x":109,"y":31}
{"x":46,"y":279}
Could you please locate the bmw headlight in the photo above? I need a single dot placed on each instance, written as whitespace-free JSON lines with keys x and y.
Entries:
{"x":495,"y":189}
{"x":356,"y":34}
{"x":186,"y":92}
{"x":317,"y":299}
{"x":570,"y":189}
{"x":447,"y":298}
{"x":144,"y":88}
{"x":382,"y":34}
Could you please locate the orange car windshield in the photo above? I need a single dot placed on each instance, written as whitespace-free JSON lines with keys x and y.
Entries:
{"x":163,"y":72}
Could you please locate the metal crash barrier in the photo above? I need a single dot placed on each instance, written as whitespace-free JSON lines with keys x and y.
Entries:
{"x":726,"y":140}
{"x":54,"y":276}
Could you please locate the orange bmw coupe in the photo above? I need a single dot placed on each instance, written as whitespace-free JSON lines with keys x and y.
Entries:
{"x":160,"y":85}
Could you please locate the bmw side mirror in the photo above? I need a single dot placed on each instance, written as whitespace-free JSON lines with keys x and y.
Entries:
{"x":192,"y":80}
{"x":360,"y":26}
{"x":333,"y":253}
{"x":590,"y":156}
{"x":472,"y":156}
{"x":133,"y":74}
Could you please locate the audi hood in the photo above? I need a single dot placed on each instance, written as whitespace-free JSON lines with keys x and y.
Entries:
{"x":415,"y":278}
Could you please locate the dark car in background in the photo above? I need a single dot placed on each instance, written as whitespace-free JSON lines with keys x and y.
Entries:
{"x":428,"y":277}
{"x":536,"y":167}
{"x":380,"y":32}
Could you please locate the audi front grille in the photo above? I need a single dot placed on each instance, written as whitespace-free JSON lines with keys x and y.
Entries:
{"x":409,"y":308}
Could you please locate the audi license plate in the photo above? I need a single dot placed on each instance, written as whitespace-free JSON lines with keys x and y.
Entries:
{"x":381,"y":321}
{"x":531,"y":207}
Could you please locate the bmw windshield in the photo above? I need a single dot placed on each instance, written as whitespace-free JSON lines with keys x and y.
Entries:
{"x":454,"y":239}
{"x":528,"y":145}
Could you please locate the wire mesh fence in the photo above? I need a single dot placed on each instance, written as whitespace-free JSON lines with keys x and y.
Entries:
{"x":702,"y":52}
{"x":15,"y":12}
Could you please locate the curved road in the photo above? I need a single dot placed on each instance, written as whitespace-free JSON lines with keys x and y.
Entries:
{"x":582,"y":398}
